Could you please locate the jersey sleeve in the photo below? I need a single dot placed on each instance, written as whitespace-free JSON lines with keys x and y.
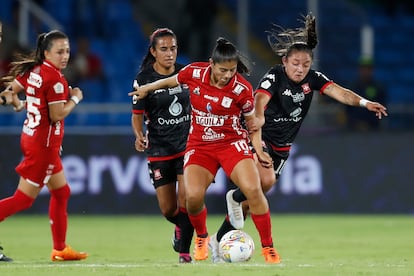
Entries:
{"x":138,"y":106}
{"x":56,"y":89}
{"x":319,"y":81}
{"x":267,"y":83}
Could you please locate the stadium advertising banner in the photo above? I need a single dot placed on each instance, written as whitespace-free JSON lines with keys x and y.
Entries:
{"x":344,"y":173}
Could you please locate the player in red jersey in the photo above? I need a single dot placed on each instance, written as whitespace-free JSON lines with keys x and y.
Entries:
{"x":219,"y":95}
{"x":49,"y":100}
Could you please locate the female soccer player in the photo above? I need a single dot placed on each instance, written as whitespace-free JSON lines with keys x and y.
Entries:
{"x":49,"y":100}
{"x":167,"y":114}
{"x":282,"y":100}
{"x":219,"y":95}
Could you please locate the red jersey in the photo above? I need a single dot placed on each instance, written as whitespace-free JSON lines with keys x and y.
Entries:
{"x":215,"y":112}
{"x":43,"y":85}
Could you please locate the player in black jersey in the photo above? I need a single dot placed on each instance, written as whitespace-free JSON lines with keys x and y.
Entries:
{"x":167,"y":119}
{"x":282,"y":101}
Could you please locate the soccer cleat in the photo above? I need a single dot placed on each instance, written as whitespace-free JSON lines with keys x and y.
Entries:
{"x":213,"y":244}
{"x":185,"y":259}
{"x":270,"y":255}
{"x":67,"y":254}
{"x":235,"y":211}
{"x":4,"y":258}
{"x":176,"y":239}
{"x":201,"y":248}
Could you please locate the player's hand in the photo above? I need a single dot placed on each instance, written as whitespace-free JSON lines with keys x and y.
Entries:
{"x":264,"y":158}
{"x":378,"y":108}
{"x":76,"y":92}
{"x":140,"y":92}
{"x":140,"y":144}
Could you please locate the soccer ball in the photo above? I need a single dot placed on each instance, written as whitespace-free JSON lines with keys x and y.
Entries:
{"x":236,"y":246}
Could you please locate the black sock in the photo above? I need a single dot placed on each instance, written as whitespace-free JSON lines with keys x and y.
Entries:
{"x":173,"y":219}
{"x":187,"y":232}
{"x":224,"y":228}
{"x":238,"y":196}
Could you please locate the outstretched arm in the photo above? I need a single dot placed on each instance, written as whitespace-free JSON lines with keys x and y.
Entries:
{"x":142,"y":91}
{"x":349,"y":97}
{"x":9,"y":96}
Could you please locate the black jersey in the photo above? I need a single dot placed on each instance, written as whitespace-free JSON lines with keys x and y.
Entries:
{"x":288,"y":105}
{"x":167,"y":114}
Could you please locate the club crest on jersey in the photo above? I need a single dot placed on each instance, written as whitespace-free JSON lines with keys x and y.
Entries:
{"x":58,"y":87}
{"x":157,"y":174}
{"x":238,"y":89}
{"x":196,"y":73}
{"x":306,"y":88}
{"x":226,"y":102}
{"x":196,"y":91}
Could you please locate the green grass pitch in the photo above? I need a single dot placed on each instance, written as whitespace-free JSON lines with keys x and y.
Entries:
{"x":141,"y":245}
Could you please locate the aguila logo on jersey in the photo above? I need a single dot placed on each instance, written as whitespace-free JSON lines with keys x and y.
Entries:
{"x":306,"y":88}
{"x":211,"y":98}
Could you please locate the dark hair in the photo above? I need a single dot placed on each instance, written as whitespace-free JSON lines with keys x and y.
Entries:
{"x":285,"y":41}
{"x":25,"y":62}
{"x":153,"y":39}
{"x":226,"y":51}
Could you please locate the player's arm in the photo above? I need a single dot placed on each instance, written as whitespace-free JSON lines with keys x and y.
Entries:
{"x":142,"y":91}
{"x":348,"y":97}
{"x":137,"y":121}
{"x":9,"y":96}
{"x":256,"y":140}
{"x":58,"y":111}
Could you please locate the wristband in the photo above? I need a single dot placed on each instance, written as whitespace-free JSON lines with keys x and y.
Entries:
{"x":4,"y":100}
{"x":363,"y":102}
{"x":75,"y":99}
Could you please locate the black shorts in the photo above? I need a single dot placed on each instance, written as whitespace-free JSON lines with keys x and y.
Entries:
{"x":165,"y":172}
{"x":279,"y":158}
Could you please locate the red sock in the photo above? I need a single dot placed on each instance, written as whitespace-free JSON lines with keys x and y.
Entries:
{"x":264,"y":227}
{"x":58,"y":216}
{"x":199,"y":222}
{"x":15,"y":203}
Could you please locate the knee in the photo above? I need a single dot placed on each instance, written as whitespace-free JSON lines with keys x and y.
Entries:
{"x":24,"y":201}
{"x":62,"y":193}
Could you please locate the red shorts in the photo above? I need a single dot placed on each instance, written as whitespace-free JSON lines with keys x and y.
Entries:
{"x":38,"y":165}
{"x":214,"y":156}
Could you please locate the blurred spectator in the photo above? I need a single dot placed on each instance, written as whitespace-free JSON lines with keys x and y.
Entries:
{"x":369,"y":88}
{"x":84,"y":65}
{"x":200,"y":16}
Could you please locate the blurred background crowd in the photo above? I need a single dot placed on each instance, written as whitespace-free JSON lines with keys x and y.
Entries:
{"x":363,"y":45}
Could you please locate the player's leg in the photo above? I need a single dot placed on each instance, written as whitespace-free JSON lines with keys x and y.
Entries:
{"x":246,"y":176}
{"x":196,"y":181}
{"x":59,"y":197}
{"x":186,"y":228}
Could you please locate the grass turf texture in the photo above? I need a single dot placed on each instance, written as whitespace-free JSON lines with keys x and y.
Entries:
{"x":141,"y":245}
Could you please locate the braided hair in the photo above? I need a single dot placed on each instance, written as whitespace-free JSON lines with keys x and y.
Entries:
{"x":284,"y":41}
{"x":25,"y":62}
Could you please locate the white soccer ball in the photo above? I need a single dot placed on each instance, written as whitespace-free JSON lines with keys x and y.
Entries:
{"x":236,"y":246}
